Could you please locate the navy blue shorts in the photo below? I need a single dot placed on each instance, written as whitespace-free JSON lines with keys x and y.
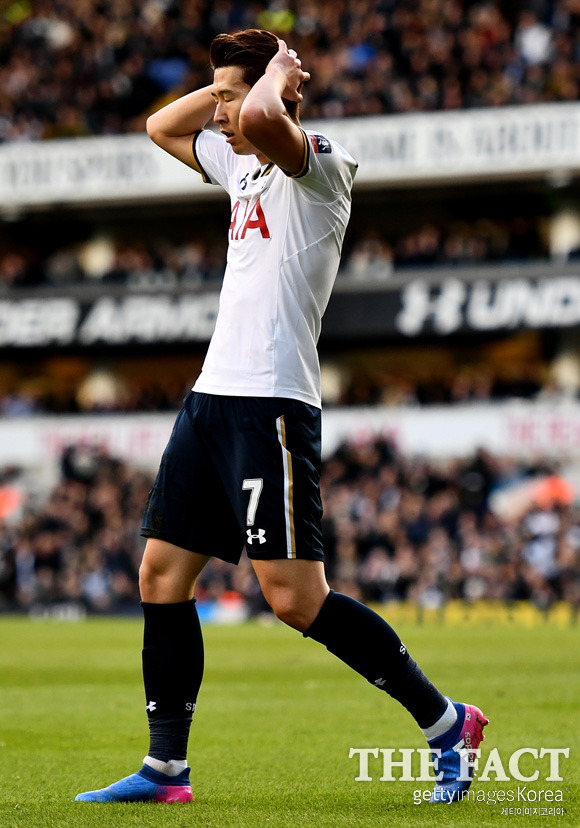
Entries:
{"x":240,"y":471}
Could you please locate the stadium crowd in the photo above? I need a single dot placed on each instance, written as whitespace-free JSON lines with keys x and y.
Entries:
{"x":193,"y":260}
{"x":84,"y":68}
{"x":395,"y":529}
{"x":105,"y":392}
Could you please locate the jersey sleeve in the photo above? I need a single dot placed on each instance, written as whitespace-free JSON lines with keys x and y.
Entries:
{"x":328,"y":169}
{"x":213,"y":157}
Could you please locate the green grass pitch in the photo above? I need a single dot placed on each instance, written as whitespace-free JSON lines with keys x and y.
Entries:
{"x":276,"y":718}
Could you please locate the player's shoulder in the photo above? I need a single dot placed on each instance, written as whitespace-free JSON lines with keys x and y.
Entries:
{"x":328,"y":168}
{"x":327,"y":155}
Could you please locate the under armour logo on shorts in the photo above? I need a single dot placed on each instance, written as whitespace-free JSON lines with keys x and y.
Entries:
{"x":260,"y":535}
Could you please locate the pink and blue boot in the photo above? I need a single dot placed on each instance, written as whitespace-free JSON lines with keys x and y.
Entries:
{"x":147,"y":785}
{"x":454,"y":767}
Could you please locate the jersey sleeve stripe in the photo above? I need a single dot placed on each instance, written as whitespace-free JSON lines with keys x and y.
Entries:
{"x":306,"y":163}
{"x":288,"y":489}
{"x":205,"y":177}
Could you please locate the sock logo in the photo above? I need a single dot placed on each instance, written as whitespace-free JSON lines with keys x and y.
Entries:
{"x":380,"y":682}
{"x":151,"y":706}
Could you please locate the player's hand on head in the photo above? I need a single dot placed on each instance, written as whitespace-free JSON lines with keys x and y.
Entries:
{"x":287,"y":62}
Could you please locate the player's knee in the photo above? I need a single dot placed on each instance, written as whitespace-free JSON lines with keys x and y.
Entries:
{"x":292,"y":610}
{"x":157,"y":583}
{"x":149,"y":579}
{"x":162,"y":584}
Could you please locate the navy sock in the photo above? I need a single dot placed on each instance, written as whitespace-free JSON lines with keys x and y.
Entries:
{"x":172,"y":673}
{"x":364,"y":641}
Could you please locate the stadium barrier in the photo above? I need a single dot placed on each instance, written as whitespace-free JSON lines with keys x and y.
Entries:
{"x":492,"y":613}
{"x":409,"y":148}
{"x":516,"y":428}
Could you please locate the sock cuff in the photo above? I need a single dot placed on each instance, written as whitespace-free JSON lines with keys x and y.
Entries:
{"x":171,"y":767}
{"x":443,"y":724}
{"x":168,"y":607}
{"x":321,"y":613}
{"x":168,"y":620}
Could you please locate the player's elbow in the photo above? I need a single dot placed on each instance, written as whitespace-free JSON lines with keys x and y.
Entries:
{"x":153,"y":127}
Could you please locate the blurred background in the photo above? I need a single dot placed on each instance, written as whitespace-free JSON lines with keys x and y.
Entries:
{"x":450,"y":349}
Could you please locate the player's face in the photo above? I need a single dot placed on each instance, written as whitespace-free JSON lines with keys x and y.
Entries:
{"x":229,"y":92}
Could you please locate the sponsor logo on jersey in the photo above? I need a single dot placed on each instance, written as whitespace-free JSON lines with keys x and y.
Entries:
{"x":251,"y":217}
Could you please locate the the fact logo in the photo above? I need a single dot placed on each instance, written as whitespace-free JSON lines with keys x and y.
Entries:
{"x":494,"y":769}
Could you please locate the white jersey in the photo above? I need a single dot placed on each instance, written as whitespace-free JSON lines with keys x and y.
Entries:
{"x":285,"y":239}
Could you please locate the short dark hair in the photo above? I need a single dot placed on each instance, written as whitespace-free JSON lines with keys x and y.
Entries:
{"x":252,"y":50}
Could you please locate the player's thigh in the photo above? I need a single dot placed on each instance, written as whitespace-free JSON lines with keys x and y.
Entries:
{"x":168,"y":573}
{"x":188,"y":505}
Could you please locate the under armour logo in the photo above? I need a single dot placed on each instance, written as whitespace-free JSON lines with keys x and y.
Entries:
{"x":260,"y":536}
{"x":380,"y":682}
{"x":151,"y":706}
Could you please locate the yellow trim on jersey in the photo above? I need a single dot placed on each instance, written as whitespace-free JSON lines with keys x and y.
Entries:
{"x":288,"y":489}
{"x":305,"y":164}
{"x":205,"y":177}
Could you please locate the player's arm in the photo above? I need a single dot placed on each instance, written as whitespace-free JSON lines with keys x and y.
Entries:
{"x":173,"y":127}
{"x":264,"y":120}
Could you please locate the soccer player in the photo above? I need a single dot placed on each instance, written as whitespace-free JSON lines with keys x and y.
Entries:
{"x":242,"y":465}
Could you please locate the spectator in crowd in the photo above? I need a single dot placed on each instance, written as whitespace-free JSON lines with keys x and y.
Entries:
{"x":370,"y":260}
{"x":15,"y":270}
